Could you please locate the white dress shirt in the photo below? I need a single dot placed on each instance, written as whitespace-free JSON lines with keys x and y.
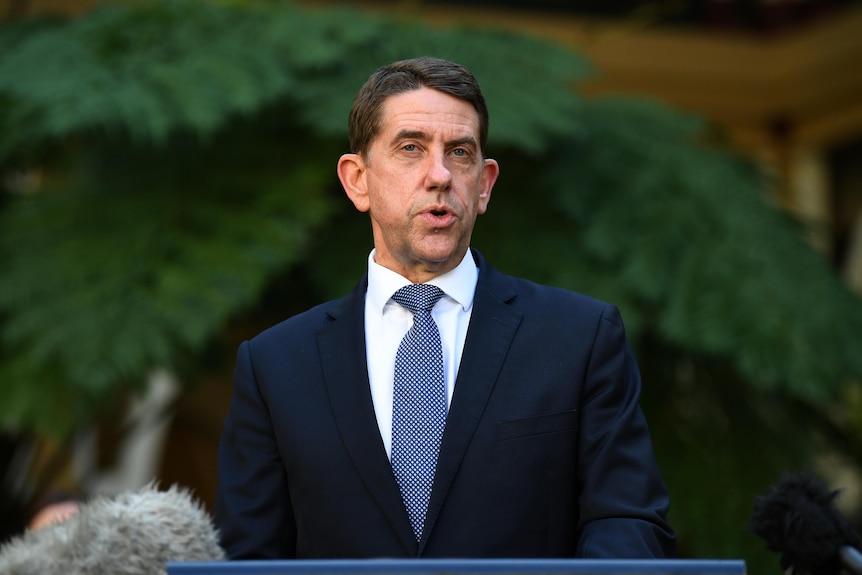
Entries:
{"x":386,"y":323}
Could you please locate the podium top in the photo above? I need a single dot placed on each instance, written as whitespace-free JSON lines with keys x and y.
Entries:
{"x":463,"y":567}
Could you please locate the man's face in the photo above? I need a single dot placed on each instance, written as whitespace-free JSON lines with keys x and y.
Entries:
{"x":423,"y":181}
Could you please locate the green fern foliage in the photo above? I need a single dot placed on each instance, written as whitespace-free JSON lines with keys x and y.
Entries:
{"x":685,"y":229}
{"x":105,"y":280}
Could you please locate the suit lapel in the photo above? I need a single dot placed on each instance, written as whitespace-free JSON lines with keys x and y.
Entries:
{"x":342,"y":354}
{"x":493,"y":324}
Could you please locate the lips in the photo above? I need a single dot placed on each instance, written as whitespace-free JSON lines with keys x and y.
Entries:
{"x":438,"y":210}
{"x":439,"y":216}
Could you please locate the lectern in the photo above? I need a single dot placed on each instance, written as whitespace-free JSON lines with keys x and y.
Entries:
{"x":464,"y":567}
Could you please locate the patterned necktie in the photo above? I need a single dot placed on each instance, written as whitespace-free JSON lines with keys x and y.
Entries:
{"x":419,"y":402}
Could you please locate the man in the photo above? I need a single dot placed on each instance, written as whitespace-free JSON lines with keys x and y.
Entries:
{"x":534,"y":444}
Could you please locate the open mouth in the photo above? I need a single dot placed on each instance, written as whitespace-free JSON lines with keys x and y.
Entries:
{"x":439,"y":212}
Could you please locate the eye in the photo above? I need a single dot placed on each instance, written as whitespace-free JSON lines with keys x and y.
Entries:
{"x":409,"y":148}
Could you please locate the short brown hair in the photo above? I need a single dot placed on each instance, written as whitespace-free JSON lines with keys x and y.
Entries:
{"x":404,"y":76}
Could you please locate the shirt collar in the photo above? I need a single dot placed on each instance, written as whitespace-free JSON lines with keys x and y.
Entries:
{"x":458,"y":284}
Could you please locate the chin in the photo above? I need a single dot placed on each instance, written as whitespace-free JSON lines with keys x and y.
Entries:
{"x":436,"y":259}
{"x":440,"y":248}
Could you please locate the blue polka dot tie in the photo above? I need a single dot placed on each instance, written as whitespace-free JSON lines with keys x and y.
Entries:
{"x":419,"y":402}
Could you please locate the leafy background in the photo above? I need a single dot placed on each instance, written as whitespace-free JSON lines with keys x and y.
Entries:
{"x":169,"y":166}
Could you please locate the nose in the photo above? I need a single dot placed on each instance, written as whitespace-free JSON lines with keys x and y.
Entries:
{"x":439,"y":177}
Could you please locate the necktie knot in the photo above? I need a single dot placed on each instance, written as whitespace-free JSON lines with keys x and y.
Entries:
{"x":416,"y":297}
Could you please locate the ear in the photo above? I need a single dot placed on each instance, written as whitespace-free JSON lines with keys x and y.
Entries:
{"x":490,"y":171}
{"x":351,"y":172}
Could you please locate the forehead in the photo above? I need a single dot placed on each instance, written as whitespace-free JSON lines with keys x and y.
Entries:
{"x":428,"y":110}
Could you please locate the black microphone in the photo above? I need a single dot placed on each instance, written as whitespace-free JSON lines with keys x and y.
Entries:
{"x":798,"y":519}
{"x":134,"y":533}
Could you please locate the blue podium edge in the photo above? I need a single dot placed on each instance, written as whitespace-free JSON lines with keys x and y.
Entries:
{"x":462,"y":566}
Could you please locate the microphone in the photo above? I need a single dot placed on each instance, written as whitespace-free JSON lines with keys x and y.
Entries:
{"x":798,"y":519}
{"x":134,"y":533}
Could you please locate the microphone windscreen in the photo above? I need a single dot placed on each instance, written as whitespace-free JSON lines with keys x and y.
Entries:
{"x":798,"y":519}
{"x":134,"y":533}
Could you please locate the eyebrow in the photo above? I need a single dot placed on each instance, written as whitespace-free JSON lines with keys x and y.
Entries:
{"x":411,"y":135}
{"x":423,"y":136}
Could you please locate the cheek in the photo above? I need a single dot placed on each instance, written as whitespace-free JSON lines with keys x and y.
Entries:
{"x":392,"y":192}
{"x":384,"y":207}
{"x":386,"y":187}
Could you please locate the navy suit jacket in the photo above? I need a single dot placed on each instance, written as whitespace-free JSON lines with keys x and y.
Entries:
{"x":545,"y":453}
